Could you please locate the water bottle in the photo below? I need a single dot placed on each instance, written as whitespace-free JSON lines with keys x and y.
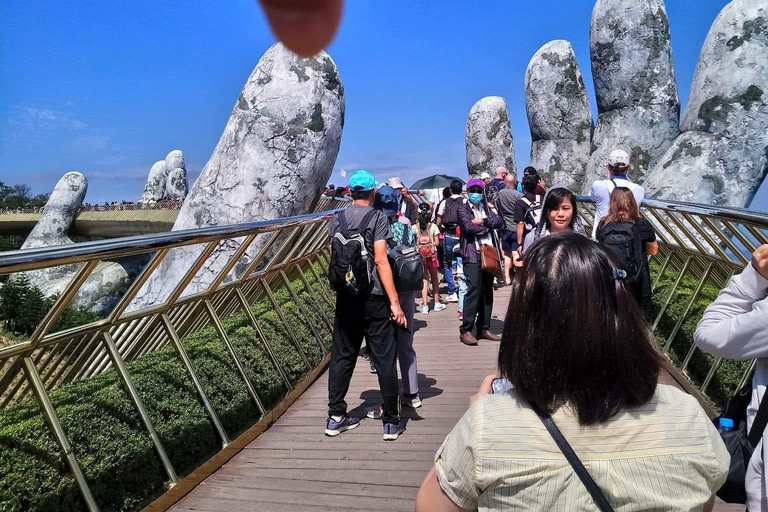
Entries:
{"x":726,"y":425}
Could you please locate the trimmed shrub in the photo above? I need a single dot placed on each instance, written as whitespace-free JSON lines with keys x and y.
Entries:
{"x":108,"y":438}
{"x":729,"y":373}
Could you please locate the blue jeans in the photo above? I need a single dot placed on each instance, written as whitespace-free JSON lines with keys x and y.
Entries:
{"x":448,"y":258}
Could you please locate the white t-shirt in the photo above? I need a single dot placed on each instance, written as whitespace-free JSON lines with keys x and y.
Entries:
{"x":601,"y":195}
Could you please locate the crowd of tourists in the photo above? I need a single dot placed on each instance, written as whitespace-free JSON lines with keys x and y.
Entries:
{"x":578,"y":365}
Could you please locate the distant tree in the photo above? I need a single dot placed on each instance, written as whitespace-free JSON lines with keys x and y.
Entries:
{"x":20,"y":196}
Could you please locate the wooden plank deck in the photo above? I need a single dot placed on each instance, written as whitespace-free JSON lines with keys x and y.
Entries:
{"x":293,"y":466}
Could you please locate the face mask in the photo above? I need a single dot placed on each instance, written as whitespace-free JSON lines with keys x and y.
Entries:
{"x":475,"y":197}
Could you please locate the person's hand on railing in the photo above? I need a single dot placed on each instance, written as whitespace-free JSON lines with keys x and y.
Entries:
{"x":760,"y":260}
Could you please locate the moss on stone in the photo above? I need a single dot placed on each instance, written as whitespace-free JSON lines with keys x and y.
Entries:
{"x":718,"y":184}
{"x":640,"y":160}
{"x":316,"y":123}
{"x":605,"y":53}
{"x":717,"y":108}
{"x":751,"y":28}
{"x":502,"y":121}
{"x":300,"y":71}
{"x":685,"y":148}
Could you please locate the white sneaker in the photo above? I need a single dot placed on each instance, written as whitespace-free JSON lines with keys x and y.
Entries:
{"x":375,"y":412}
{"x":413,"y":403}
{"x":452,"y":298}
{"x":424,"y":310}
{"x":439,"y":306}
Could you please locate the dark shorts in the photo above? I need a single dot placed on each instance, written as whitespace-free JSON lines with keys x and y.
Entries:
{"x":509,"y":241}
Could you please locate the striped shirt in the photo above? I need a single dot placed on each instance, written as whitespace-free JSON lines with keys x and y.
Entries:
{"x":666,"y":455}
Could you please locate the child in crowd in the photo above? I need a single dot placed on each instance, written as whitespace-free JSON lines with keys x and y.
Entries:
{"x":427,"y":237}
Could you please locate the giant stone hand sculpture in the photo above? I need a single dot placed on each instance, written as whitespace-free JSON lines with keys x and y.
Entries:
{"x":559,"y":115}
{"x":107,"y":282}
{"x":637,"y":102}
{"x":721,"y":156}
{"x":273,"y":159}
{"x":488,"y":137}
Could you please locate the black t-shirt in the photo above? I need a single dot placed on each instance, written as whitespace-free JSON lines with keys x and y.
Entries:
{"x":647,"y":233}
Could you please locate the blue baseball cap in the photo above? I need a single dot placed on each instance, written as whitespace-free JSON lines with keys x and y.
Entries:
{"x":386,"y":201}
{"x":362,"y":181}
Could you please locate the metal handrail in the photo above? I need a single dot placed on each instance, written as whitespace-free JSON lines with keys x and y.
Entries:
{"x":49,"y":360}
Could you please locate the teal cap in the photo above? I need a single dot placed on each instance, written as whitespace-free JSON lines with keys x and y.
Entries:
{"x":362,"y":181}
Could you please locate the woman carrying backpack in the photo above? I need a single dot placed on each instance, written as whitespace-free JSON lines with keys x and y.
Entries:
{"x":428,"y":239}
{"x":386,"y":201}
{"x":559,"y":214}
{"x":631,"y":239}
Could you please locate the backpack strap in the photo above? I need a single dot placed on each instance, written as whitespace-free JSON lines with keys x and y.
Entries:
{"x":594,"y":490}
{"x":615,"y":185}
{"x":366,"y":220}
{"x":343,"y":226}
{"x":759,"y":423}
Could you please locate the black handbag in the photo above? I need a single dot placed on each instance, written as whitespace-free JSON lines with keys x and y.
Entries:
{"x":739,"y":443}
{"x":594,"y":490}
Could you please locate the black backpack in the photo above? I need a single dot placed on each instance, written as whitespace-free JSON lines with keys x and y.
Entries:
{"x":739,"y":443}
{"x":405,"y":260}
{"x":532,"y":216}
{"x":622,"y":239}
{"x":450,"y":217}
{"x":351,"y":266}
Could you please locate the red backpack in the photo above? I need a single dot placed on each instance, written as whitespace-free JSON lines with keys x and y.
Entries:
{"x":425,"y":245}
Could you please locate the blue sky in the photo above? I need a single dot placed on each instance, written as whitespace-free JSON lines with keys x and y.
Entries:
{"x":108,"y":88}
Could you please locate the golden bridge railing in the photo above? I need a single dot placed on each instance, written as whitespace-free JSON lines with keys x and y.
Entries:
{"x":700,"y":248}
{"x":46,"y":361}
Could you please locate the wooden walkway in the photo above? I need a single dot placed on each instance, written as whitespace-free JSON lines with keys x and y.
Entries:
{"x":293,"y":466}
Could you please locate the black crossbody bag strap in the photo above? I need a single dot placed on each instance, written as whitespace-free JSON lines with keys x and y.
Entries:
{"x":573,"y":460}
{"x":758,"y":425}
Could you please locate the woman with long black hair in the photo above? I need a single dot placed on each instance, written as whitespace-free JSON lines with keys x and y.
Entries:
{"x":559,"y":214}
{"x":576,"y":352}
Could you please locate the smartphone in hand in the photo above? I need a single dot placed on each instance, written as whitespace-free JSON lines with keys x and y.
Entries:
{"x":500,"y":386}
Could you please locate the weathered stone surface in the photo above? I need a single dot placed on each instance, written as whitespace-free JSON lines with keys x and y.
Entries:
{"x":176,"y":187}
{"x":273,"y":159}
{"x":106,"y":283}
{"x":489,"y":137}
{"x":154,"y":190}
{"x":637,"y":101}
{"x":175,"y":160}
{"x":721,"y":157}
{"x":559,"y":115}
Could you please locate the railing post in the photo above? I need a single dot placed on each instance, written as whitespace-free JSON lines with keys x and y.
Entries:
{"x":312,"y":292}
{"x":260,"y":334}
{"x":233,"y":354}
{"x":49,"y":413}
{"x":662,"y":269}
{"x":122,"y":372}
{"x":303,"y":312}
{"x":687,"y":309}
{"x":284,"y":320}
{"x":187,"y":363}
{"x":672,"y":292}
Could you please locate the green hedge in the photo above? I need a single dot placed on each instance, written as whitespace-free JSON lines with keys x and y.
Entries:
{"x":729,"y":373}
{"x":114,"y":451}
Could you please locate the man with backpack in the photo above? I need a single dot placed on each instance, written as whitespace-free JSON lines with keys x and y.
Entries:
{"x":527,"y":210}
{"x":505,"y":204}
{"x":618,"y":166}
{"x":448,"y":221}
{"x":366,"y":306}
